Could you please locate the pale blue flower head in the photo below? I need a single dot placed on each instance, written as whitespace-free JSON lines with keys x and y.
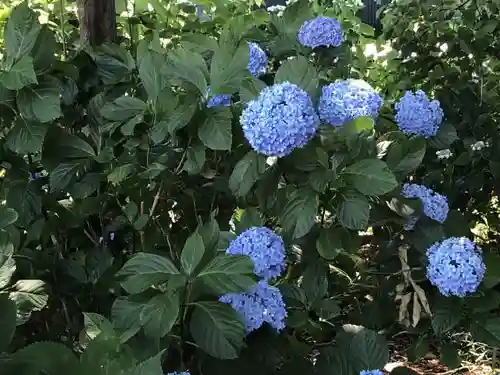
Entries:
{"x":435,"y":205}
{"x":417,"y":115}
{"x":345,"y":100}
{"x":257,"y":60}
{"x":371,"y":372}
{"x":455,"y":266}
{"x":281,"y":119}
{"x":264,"y":247}
{"x":261,"y":304}
{"x":321,"y":32}
{"x":179,"y":373}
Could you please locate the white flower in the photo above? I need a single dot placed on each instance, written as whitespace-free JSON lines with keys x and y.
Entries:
{"x":444,"y":154}
{"x":479,"y":145}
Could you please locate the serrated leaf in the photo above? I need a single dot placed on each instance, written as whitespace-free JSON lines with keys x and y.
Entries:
{"x":150,"y":72}
{"x":152,"y":366}
{"x":298,"y":71}
{"x":7,"y":321}
{"x":8,"y":216}
{"x":371,"y":177}
{"x":299,"y":214}
{"x":446,"y":315}
{"x":353,"y":211}
{"x":444,"y":138}
{"x":229,"y":67}
{"x":189,"y":67}
{"x":159,"y":314}
{"x":177,"y":120}
{"x":145,"y":270}
{"x":216,"y":130}
{"x":29,"y":296}
{"x":359,"y":125}
{"x":121,"y":173}
{"x":329,"y":243}
{"x":62,"y":175}
{"x":113,"y":62}
{"x":123,"y":108}
{"x":7,"y":264}
{"x":486,"y":330}
{"x":246,"y":173}
{"x":413,"y":157}
{"x":195,"y":159}
{"x":228,"y":274}
{"x":192,"y":253}
{"x":21,"y":31}
{"x":26,"y":136}
{"x":48,"y":357}
{"x":41,"y":103}
{"x":217,"y":329}
{"x":21,"y":74}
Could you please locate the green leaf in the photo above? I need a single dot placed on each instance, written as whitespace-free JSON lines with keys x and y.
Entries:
{"x":446,"y":135}
{"x":7,"y":321}
{"x":121,"y":173}
{"x":314,"y":283}
{"x":123,"y":108}
{"x":8,"y":216}
{"x":152,"y":366}
{"x":217,"y":329}
{"x":113,"y":62}
{"x":229,"y":68}
{"x":246,"y":173}
{"x":228,"y":274}
{"x":359,"y":125}
{"x":371,"y":177}
{"x":251,"y":88}
{"x":150,"y":72}
{"x":177,"y":120}
{"x":329,"y":243}
{"x":26,"y":136}
{"x":74,"y":146}
{"x":299,"y":214}
{"x":145,"y":270}
{"x":7,"y":264}
{"x":126,"y":316}
{"x":329,"y":309}
{"x":413,"y":157}
{"x":48,"y":357}
{"x":247,"y":218}
{"x":94,"y":325}
{"x":300,"y":72}
{"x":486,"y":330}
{"x":21,"y":31}
{"x":41,"y":103}
{"x":195,"y":159}
{"x":188,"y":66}
{"x":449,"y":356}
{"x":159,"y":314}
{"x":29,"y":296}
{"x":446,"y":315}
{"x":21,"y":74}
{"x":192,"y":253}
{"x":62,"y":175}
{"x":353,"y":211}
{"x":216,"y":131}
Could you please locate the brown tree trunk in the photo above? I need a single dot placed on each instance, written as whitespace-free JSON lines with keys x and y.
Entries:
{"x":97,"y":21}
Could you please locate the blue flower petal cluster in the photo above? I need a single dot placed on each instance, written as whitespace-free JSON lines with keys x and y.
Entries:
{"x":217,"y":100}
{"x":261,"y":304}
{"x":257,"y":60}
{"x":435,"y":205}
{"x":417,"y":115}
{"x":371,"y":372}
{"x":264,"y":247}
{"x":179,"y":373}
{"x":455,"y":266}
{"x":281,"y":119}
{"x":321,"y":31}
{"x":345,"y":100}
{"x":34,"y":176}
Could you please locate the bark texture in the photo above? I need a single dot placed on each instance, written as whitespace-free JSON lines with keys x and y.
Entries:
{"x":97,"y":21}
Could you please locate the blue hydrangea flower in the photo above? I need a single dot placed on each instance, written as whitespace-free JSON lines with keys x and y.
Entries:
{"x":345,"y":100}
{"x":371,"y":372}
{"x":179,"y":373}
{"x":257,"y":60}
{"x":261,"y":304}
{"x":435,"y":205}
{"x":264,"y":247}
{"x":281,"y":119}
{"x":34,"y":176}
{"x":417,"y":115}
{"x":321,"y":31}
{"x":218,"y":100}
{"x":455,"y":266}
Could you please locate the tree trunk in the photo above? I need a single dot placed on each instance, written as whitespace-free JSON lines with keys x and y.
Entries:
{"x":97,"y":21}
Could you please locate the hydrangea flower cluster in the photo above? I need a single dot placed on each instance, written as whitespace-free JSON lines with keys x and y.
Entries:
{"x":281,"y":119}
{"x":435,"y":205}
{"x":217,"y":100}
{"x":257,"y":60}
{"x":417,"y":115}
{"x":321,"y":32}
{"x":371,"y":372}
{"x":179,"y":373}
{"x":345,"y":100}
{"x":261,"y":304}
{"x":34,"y":176}
{"x":455,"y":266}
{"x":264,"y":247}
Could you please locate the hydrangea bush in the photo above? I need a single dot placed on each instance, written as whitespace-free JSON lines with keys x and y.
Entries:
{"x":231,"y":198}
